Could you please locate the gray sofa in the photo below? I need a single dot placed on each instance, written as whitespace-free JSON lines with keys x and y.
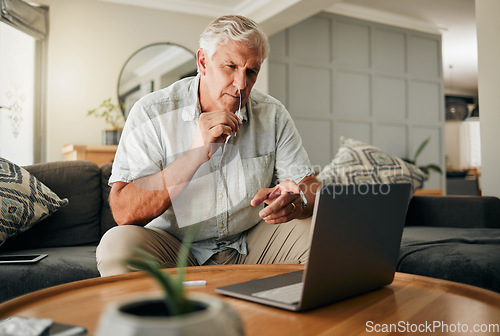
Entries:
{"x":453,"y":238}
{"x":69,"y":236}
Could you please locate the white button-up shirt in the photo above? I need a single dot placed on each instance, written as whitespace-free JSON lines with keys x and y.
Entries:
{"x":266,"y":150}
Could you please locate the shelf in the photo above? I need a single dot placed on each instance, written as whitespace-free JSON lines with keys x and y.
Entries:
{"x":99,"y":154}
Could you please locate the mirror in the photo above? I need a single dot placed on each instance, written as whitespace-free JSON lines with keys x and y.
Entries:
{"x":151,"y":68}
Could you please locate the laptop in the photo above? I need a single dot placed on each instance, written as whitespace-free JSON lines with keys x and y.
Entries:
{"x":354,"y":247}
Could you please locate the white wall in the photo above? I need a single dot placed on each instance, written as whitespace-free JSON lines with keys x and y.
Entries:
{"x":488,"y":30}
{"x":89,"y":41}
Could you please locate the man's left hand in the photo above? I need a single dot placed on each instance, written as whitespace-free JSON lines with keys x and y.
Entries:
{"x":283,"y":202}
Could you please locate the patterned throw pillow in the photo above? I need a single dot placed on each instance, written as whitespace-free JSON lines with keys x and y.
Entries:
{"x":359,"y":163}
{"x":24,"y":200}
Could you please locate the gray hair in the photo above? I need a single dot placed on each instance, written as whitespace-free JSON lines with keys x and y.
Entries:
{"x":233,"y":28}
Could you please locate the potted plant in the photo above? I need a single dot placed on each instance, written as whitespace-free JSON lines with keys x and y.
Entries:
{"x":173,"y":313}
{"x":424,"y":168}
{"x":113,"y":117}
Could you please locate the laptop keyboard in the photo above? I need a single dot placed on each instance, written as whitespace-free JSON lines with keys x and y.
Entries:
{"x":290,"y":294}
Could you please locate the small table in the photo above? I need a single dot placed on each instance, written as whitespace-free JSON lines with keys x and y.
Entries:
{"x":428,"y":192}
{"x":410,"y":302}
{"x":99,"y":154}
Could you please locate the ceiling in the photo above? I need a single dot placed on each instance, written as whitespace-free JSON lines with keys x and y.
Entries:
{"x":454,"y":19}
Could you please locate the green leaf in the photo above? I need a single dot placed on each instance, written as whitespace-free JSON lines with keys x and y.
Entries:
{"x":111,"y":113}
{"x":435,"y":168}
{"x":408,"y":160}
{"x":175,"y":296}
{"x":147,"y":263}
{"x":183,"y":260}
{"x":421,"y":148}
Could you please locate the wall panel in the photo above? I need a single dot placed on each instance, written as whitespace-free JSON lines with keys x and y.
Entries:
{"x":359,"y":130}
{"x":382,"y":85}
{"x":434,"y":150}
{"x":425,"y":101}
{"x":351,"y":43}
{"x":318,"y":143}
{"x":424,"y":57}
{"x":352,"y":94}
{"x":392,"y":138}
{"x":389,"y":50}
{"x":302,"y":46}
{"x":278,"y":79}
{"x":309,"y":91}
{"x":389,"y":98}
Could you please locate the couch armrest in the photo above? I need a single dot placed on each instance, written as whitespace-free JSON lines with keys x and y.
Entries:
{"x":454,"y":211}
{"x":107,"y":220}
{"x":75,"y":224}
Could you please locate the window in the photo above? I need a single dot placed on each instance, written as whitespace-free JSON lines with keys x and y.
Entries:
{"x":23,"y":31}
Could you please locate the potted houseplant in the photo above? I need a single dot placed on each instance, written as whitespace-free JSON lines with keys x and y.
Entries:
{"x":426,"y":169}
{"x":173,"y":313}
{"x":113,"y":117}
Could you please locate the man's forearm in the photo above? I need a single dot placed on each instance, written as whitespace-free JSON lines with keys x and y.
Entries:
{"x":144,"y":199}
{"x":132,"y":205}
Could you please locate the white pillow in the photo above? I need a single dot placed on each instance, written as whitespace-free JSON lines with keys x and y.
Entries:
{"x":359,"y":163}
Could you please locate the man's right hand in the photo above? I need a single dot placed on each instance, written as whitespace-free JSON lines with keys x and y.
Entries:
{"x":213,"y":129}
{"x":147,"y":198}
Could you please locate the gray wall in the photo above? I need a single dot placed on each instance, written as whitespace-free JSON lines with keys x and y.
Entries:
{"x":340,"y":76}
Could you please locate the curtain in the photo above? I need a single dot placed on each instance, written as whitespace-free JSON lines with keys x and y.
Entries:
{"x":470,"y":144}
{"x":30,"y":18}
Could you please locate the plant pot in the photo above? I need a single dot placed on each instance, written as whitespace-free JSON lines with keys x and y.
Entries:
{"x":111,"y":136}
{"x":146,"y":317}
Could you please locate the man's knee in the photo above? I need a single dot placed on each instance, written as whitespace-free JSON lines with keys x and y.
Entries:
{"x":302,"y":227}
{"x":116,"y":245}
{"x":298,"y":240}
{"x":286,"y":243}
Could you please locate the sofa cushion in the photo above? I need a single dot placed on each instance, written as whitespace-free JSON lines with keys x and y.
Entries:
{"x":75,"y":224}
{"x":359,"y":163}
{"x":24,"y":200}
{"x":107,"y":220}
{"x":454,"y":211}
{"x":470,"y":256}
{"x":62,"y":265}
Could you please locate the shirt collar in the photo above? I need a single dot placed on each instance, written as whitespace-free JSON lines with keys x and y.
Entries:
{"x":192,"y":110}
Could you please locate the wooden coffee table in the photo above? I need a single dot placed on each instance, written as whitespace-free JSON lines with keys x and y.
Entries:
{"x":412,"y":303}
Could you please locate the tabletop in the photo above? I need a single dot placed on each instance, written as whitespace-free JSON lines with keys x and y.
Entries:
{"x":412,"y":304}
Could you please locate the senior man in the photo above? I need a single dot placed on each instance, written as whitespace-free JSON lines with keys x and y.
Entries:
{"x":211,"y":151}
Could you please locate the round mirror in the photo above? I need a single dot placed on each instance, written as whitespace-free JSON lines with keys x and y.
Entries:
{"x":151,"y":68}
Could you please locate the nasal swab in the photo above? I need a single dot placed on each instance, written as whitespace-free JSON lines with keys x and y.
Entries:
{"x":239,"y":112}
{"x":239,"y":108}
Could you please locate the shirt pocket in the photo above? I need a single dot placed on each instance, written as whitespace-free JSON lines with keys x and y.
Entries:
{"x":258,"y":173}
